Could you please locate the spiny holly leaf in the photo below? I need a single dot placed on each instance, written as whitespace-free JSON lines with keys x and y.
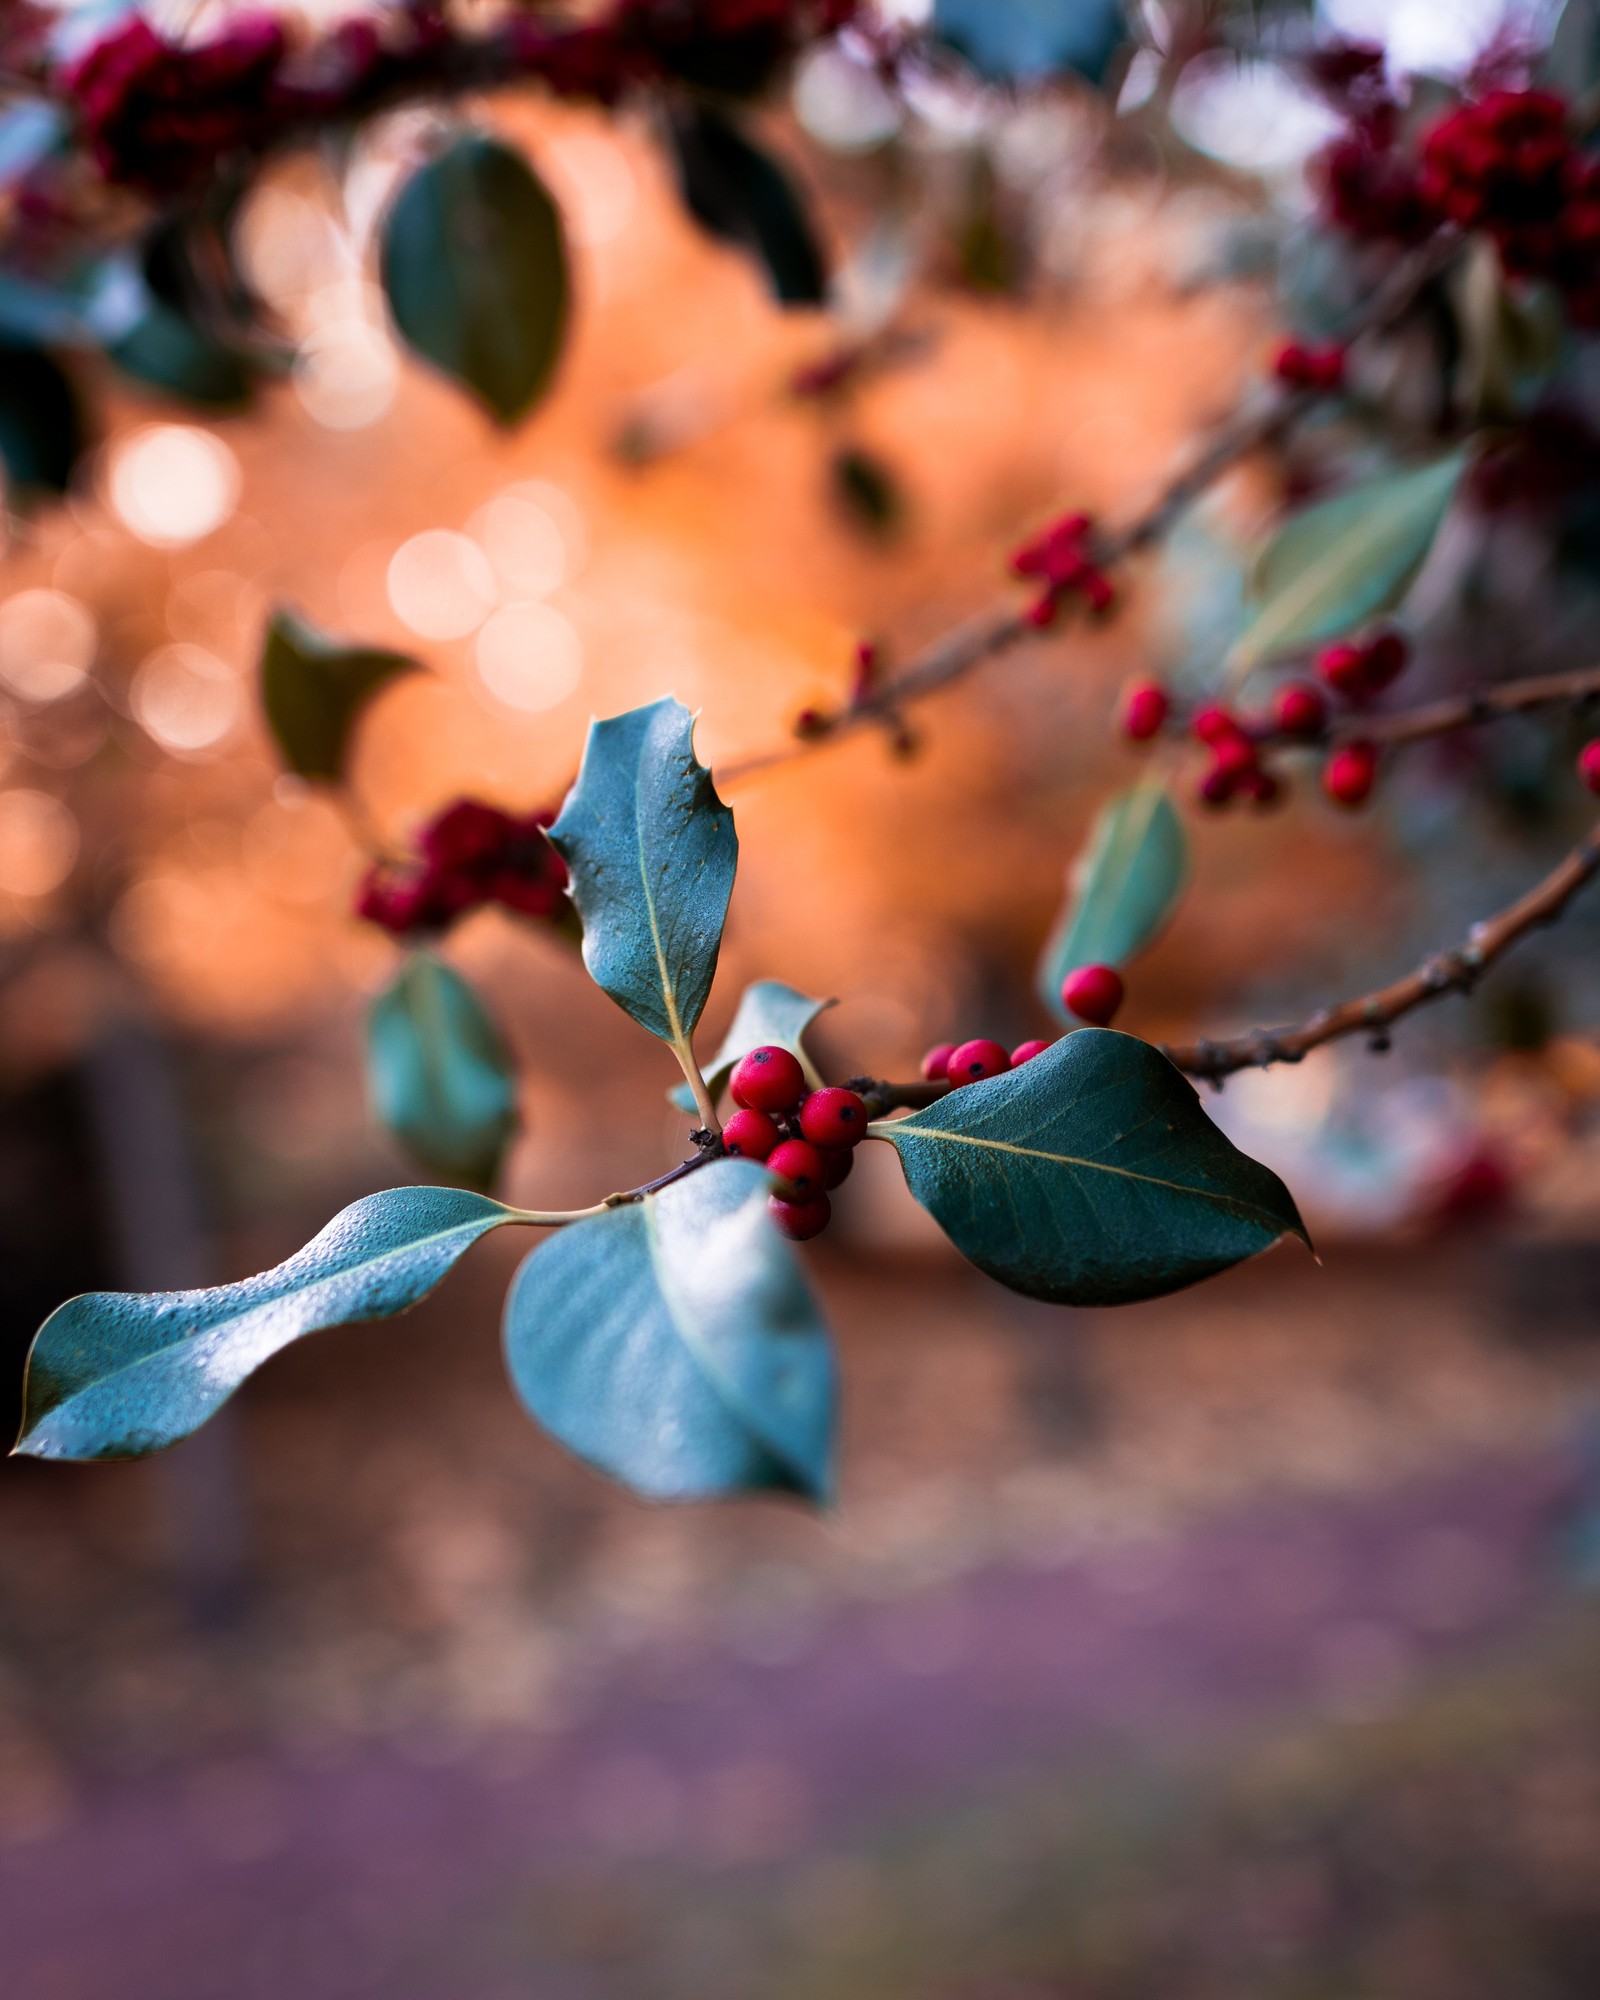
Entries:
{"x":1090,"y":1176}
{"x":652,"y":851}
{"x":770,"y":1014}
{"x":1018,"y":41}
{"x":1341,"y":561}
{"x":475,"y":271}
{"x":441,"y":1077}
{"x":674,"y":1344}
{"x":736,"y":192}
{"x":314,"y":686}
{"x":120,"y":1374}
{"x":1123,"y":890}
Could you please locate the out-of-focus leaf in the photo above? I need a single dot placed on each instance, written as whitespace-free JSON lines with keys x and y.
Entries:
{"x":314,"y":686}
{"x":1339,"y":562}
{"x":1020,"y":41}
{"x":674,"y":1344}
{"x":1123,"y":889}
{"x":1509,"y":343}
{"x":120,"y":1374}
{"x":441,"y":1077}
{"x":1089,"y":1176}
{"x":769,"y":1015}
{"x":1571,"y":62}
{"x":652,"y":852}
{"x":475,"y":270}
{"x":738,"y":193}
{"x":41,"y":424}
{"x":165,"y":350}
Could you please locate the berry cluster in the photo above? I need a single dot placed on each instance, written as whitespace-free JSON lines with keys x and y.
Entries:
{"x":1093,"y":992}
{"x":468,"y":855}
{"x":806,"y":1138}
{"x":1062,"y":559}
{"x":1300,"y":365}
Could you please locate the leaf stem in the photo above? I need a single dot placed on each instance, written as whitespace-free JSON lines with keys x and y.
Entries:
{"x":683,"y":1049}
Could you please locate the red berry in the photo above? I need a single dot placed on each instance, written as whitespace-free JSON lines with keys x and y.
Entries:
{"x":768,"y":1079}
{"x":937,"y":1061}
{"x":1100,"y":593}
{"x":1262,"y":789}
{"x":1344,"y":668}
{"x":749,"y":1135}
{"x":1386,"y":659}
{"x":1589,"y":764}
{"x":1217,"y":787}
{"x":1291,"y":363}
{"x":800,"y":1220}
{"x":800,"y":1168}
{"x":1026,"y":1051}
{"x":1215,"y":724}
{"x":1093,"y":993}
{"x":838,"y":1165}
{"x":1327,"y":368}
{"x":1144,"y":709}
{"x":834,"y":1117}
{"x":1348,"y":774}
{"x":1299,"y":710}
{"x":1235,"y":756}
{"x":973,"y":1061}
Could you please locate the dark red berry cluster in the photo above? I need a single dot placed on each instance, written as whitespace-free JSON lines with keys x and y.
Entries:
{"x":1062,"y":559}
{"x":1299,"y":364}
{"x":1589,"y":765}
{"x":957,"y":1063}
{"x":806,"y":1137}
{"x":468,"y":855}
{"x":1235,"y":770}
{"x":1371,"y":182}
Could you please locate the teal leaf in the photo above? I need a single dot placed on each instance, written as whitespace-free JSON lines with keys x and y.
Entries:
{"x":1123,"y":889}
{"x":475,"y":271}
{"x":770,"y":1015}
{"x":120,"y":1374}
{"x":674,"y":1344}
{"x":441,"y":1078}
{"x":1090,"y":1176}
{"x":165,"y":350}
{"x":651,"y":851}
{"x":1020,"y":41}
{"x":314,"y":686}
{"x":1338,"y":562}
{"x":738,"y":193}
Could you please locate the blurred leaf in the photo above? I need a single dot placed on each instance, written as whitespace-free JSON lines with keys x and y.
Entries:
{"x":652,"y":854}
{"x":475,"y":271}
{"x":120,"y":1374}
{"x":313,"y":687}
{"x":1571,"y":62}
{"x":165,"y":350}
{"x":1090,"y":1176}
{"x":41,"y":426}
{"x":1019,"y":41}
{"x":1123,"y":889}
{"x":674,"y":1344}
{"x":1339,"y":562}
{"x":441,"y":1078}
{"x":738,"y":193}
{"x":1510,"y":341}
{"x":770,"y":1015}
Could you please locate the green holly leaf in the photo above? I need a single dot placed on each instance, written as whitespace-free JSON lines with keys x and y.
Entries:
{"x":1090,"y":1176}
{"x":674,"y":1344}
{"x":770,"y":1015}
{"x":121,"y":1374}
{"x":314,"y":686}
{"x":475,"y":271}
{"x":1123,"y":889}
{"x":1339,"y":562}
{"x":652,"y":852}
{"x":738,"y":193}
{"x":441,"y":1077}
{"x":1020,"y":41}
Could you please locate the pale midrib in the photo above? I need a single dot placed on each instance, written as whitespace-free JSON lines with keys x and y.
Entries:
{"x":668,"y":991}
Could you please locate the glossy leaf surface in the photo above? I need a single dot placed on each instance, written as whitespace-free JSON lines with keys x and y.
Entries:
{"x":769,"y":1014}
{"x":442,"y":1079}
{"x":1090,"y":1176}
{"x":652,"y":852}
{"x":739,"y":193}
{"x":314,"y":686}
{"x":475,"y":270}
{"x":675,"y":1344}
{"x":1018,"y":41}
{"x":120,"y":1374}
{"x":1341,"y":561}
{"x":1123,"y":889}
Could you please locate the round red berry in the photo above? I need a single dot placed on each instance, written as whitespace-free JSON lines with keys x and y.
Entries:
{"x":801,"y":1168}
{"x":834,"y":1117}
{"x":1299,"y":710}
{"x":1348,"y":775}
{"x":768,"y":1079}
{"x":837,"y":1165}
{"x":749,"y":1135}
{"x":1292,"y":363}
{"x":1217,"y":786}
{"x":1589,"y":764}
{"x":1386,"y":659}
{"x":1215,"y":724}
{"x":800,"y":1220}
{"x":1344,"y":668}
{"x":1026,"y":1051}
{"x":937,"y":1061}
{"x":1144,"y":709}
{"x":1262,"y":789}
{"x":973,"y":1061}
{"x":1093,"y":993}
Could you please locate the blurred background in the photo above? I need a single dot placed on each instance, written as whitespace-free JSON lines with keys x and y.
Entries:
{"x":1237,"y":1645}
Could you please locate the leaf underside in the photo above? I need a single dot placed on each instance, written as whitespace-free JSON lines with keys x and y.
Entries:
{"x":442,"y":1079}
{"x":1122,"y":892}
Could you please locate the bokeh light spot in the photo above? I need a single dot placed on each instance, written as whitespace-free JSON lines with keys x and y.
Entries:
{"x":186,"y":699}
{"x":346,"y":375}
{"x":530,"y":657}
{"x":440,"y":584}
{"x":38,"y":843}
{"x":47,"y":644}
{"x":171,"y":484}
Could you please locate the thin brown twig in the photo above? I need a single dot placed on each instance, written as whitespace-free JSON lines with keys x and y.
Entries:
{"x":1438,"y":718}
